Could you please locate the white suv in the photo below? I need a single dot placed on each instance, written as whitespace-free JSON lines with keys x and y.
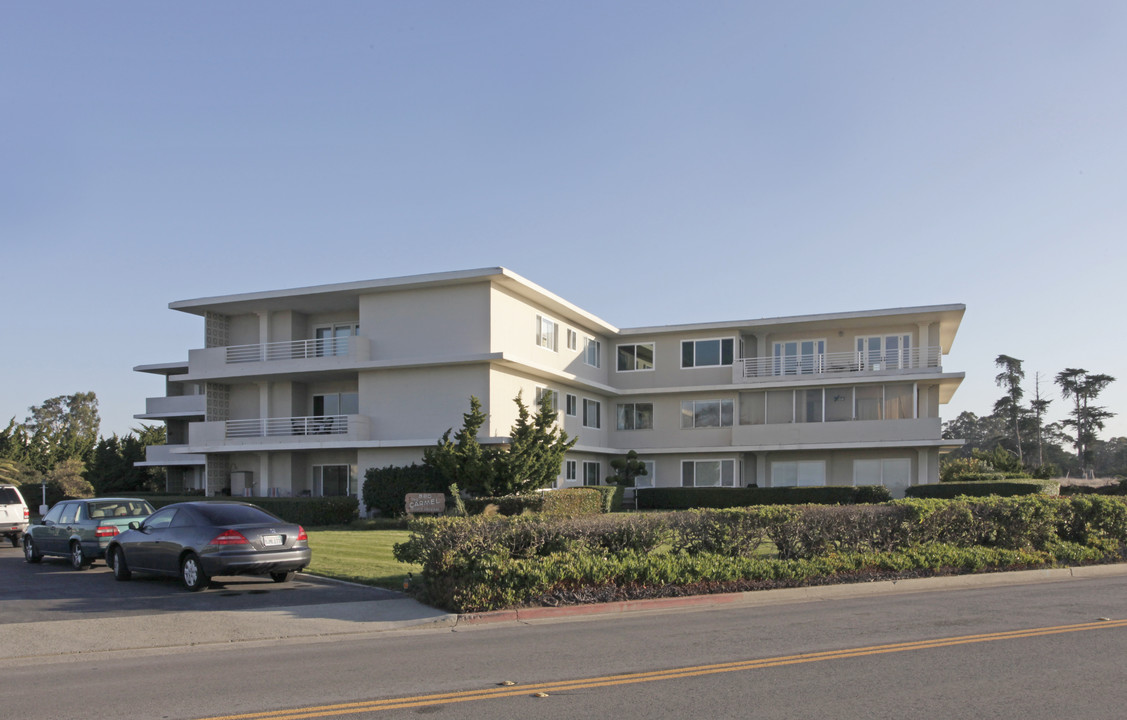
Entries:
{"x":13,"y":514}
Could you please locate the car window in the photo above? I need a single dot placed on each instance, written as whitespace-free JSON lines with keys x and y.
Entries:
{"x":231,"y":514}
{"x":120,"y":508}
{"x":160,"y":519}
{"x":183,"y":518}
{"x":69,"y":511}
{"x":53,"y":514}
{"x":8,"y":496}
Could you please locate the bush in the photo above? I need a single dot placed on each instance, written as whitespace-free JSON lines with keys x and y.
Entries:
{"x":687,"y":498}
{"x":1004,"y":488}
{"x":307,"y":512}
{"x":386,"y":489}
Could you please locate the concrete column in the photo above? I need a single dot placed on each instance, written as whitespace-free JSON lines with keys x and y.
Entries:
{"x":761,"y":468}
{"x":922,"y":467}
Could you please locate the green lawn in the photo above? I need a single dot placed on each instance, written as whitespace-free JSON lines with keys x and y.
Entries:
{"x":360,"y":556}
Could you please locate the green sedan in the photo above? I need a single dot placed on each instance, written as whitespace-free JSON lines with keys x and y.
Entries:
{"x":81,"y":529}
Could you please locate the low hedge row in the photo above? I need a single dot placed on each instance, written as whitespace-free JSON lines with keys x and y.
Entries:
{"x":683,"y":498}
{"x":480,"y":563}
{"x":571,"y":501}
{"x":308,"y":512}
{"x":983,"y":488}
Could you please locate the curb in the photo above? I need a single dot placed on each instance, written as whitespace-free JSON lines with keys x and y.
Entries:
{"x":819,"y":593}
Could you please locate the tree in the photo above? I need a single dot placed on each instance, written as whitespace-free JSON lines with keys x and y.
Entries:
{"x":537,"y":446}
{"x":1038,"y":406}
{"x":65,"y":482}
{"x":112,"y":467}
{"x":464,"y":460}
{"x":62,"y":428}
{"x":1010,"y":404}
{"x":627,"y":470}
{"x":1086,"y":418}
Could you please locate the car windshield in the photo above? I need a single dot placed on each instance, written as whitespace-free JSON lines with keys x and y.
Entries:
{"x":8,"y":496}
{"x":120,"y":508}
{"x":223,"y":514}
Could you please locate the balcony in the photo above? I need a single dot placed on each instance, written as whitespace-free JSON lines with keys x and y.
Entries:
{"x":159,"y":408}
{"x":296,"y":356}
{"x":814,"y":365}
{"x":284,"y":431}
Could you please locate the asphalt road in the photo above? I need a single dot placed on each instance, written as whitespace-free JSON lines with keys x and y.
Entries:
{"x":52,"y":590}
{"x":1030,"y":652}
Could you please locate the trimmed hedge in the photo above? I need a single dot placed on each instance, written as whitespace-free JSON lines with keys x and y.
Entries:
{"x":308,"y":512}
{"x":482,"y":563}
{"x":386,"y":489}
{"x":569,"y":501}
{"x":1003,"y":488}
{"x":682,"y":498}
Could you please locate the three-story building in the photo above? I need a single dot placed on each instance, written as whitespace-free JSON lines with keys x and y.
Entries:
{"x":298,"y":392}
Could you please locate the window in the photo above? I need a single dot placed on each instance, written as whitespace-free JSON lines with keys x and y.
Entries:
{"x":808,"y":405}
{"x":707,"y":413}
{"x":891,"y":472}
{"x":798,"y":473}
{"x":332,"y":480}
{"x":591,"y":413}
{"x":333,"y":339}
{"x":53,"y":514}
{"x":800,"y":357}
{"x":572,"y":339}
{"x":708,"y":473}
{"x":882,"y":352}
{"x":591,"y":472}
{"x":780,"y":407}
{"x":706,"y":353}
{"x":753,"y":408}
{"x":592,"y":352}
{"x":569,"y":470}
{"x":839,"y":403}
{"x":647,"y":480}
{"x":542,"y":391}
{"x":546,"y":333}
{"x":870,"y":402}
{"x":346,"y":403}
{"x":160,"y":519}
{"x":635,"y":357}
{"x":572,"y":404}
{"x":899,"y":401}
{"x":636,"y":416}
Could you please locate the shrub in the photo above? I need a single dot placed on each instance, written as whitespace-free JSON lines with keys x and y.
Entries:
{"x":681,"y":498}
{"x":1005,"y":488}
{"x":308,"y":512}
{"x":575,"y":501}
{"x":385,"y":489}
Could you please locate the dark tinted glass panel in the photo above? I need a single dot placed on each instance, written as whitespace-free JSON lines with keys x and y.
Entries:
{"x":8,"y":496}
{"x":219,"y":514}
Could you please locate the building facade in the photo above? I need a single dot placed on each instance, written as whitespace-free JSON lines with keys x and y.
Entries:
{"x":298,"y":392}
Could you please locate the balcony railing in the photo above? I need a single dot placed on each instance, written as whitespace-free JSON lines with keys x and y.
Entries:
{"x":295,"y":350}
{"x":287,"y":427}
{"x":766,"y":368}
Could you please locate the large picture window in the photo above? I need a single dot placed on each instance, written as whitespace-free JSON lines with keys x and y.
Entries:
{"x":708,"y":473}
{"x":649,"y":479}
{"x":636,"y":416}
{"x":333,"y":339}
{"x":884,"y":352}
{"x":707,"y":353}
{"x":635,"y":357}
{"x":332,"y":480}
{"x":798,"y":473}
{"x":800,"y":357}
{"x":707,"y":413}
{"x":592,"y":473}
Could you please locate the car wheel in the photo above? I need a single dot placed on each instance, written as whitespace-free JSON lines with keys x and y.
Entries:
{"x":30,"y":553}
{"x":78,"y":559}
{"x":281,"y":577}
{"x":191,"y":572}
{"x":120,"y":569}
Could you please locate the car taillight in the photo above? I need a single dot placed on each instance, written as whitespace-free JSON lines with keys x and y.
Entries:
{"x":301,"y":534}
{"x":26,"y":514}
{"x":229,"y":537}
{"x":106,"y":531}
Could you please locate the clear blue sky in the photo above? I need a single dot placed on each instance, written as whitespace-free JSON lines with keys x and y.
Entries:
{"x":653,"y":162}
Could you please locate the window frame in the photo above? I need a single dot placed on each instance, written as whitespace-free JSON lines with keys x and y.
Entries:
{"x":571,"y":406}
{"x":572,"y":339}
{"x":571,"y":470}
{"x":588,"y":343}
{"x":729,"y":340}
{"x":633,"y":410}
{"x":720,"y":471}
{"x":598,"y":413}
{"x":721,"y":402}
{"x":598,"y":468}
{"x":548,"y":340}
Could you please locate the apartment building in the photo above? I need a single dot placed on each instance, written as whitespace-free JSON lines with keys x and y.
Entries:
{"x":298,"y":392}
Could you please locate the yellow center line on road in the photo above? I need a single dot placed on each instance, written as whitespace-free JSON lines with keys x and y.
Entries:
{"x":323,"y":711}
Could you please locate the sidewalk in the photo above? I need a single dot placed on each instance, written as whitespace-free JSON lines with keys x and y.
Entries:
{"x":73,"y":639}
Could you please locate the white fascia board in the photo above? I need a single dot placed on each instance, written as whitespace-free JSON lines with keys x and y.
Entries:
{"x":171,"y":368}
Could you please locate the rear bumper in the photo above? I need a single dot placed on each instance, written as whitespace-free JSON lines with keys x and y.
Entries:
{"x":255,"y":563}
{"x":16,"y":529}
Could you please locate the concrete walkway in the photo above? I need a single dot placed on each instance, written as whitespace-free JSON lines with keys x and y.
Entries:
{"x":74,"y":639}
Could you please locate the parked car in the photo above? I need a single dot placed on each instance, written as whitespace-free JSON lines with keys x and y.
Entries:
{"x":200,"y":540}
{"x":81,"y":529}
{"x":13,"y":514}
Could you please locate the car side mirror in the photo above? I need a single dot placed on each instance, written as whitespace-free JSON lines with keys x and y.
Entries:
{"x":134,"y":525}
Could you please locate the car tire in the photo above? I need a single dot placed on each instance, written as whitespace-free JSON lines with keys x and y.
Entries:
{"x":30,"y":553}
{"x":281,"y":577}
{"x":192,"y":574}
{"x":78,"y":559}
{"x":120,"y":569}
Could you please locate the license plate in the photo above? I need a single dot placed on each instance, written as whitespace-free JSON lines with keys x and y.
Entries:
{"x":271,"y":540}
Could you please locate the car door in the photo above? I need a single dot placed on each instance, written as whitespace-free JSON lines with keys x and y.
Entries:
{"x":148,"y":552}
{"x":43,"y":534}
{"x":61,"y":531}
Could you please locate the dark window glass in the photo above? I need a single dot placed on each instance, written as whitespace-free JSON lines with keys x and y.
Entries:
{"x":8,"y":496}
{"x":223,"y":514}
{"x":687,"y":353}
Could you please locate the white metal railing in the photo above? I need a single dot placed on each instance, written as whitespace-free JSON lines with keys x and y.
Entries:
{"x":295,"y":350}
{"x":840,"y":362}
{"x":288,"y":427}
